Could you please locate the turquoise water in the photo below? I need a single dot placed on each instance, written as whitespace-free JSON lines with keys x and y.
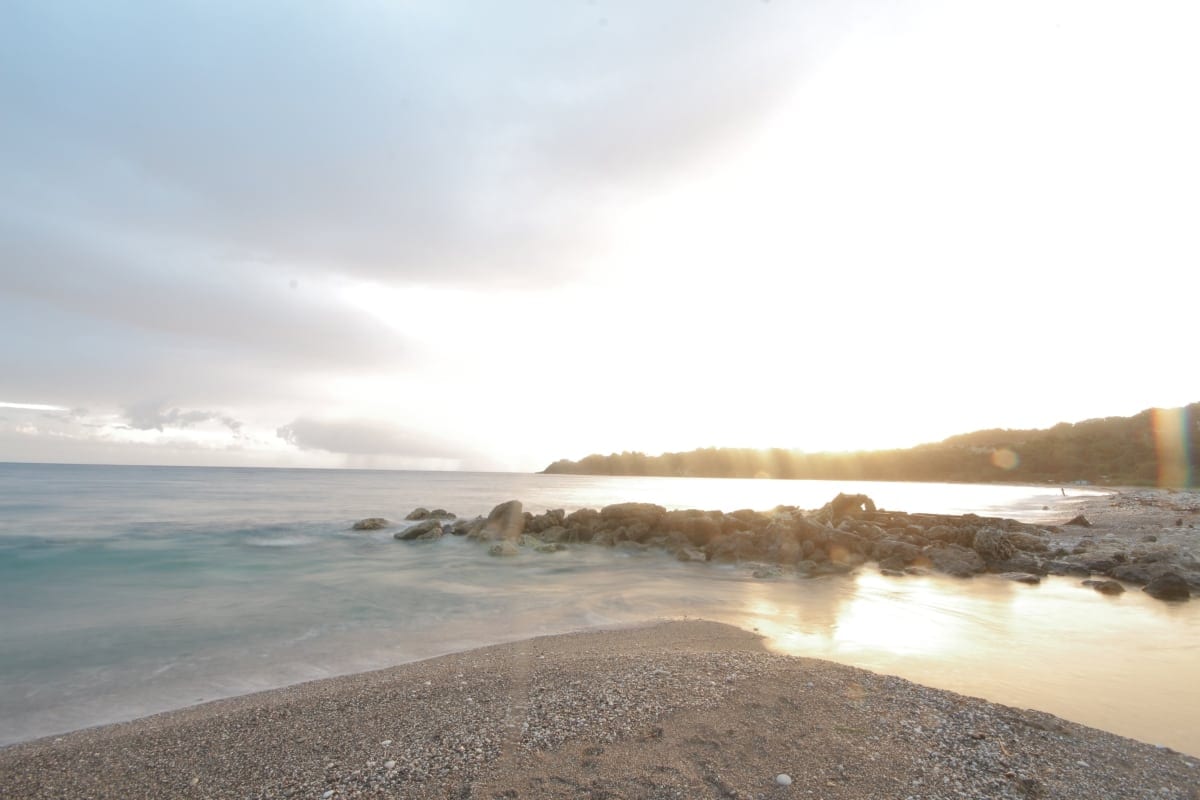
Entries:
{"x":129,"y":590}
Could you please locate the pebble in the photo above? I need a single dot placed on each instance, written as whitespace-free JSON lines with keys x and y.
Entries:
{"x":389,"y":764}
{"x":328,"y":794}
{"x":783,"y":779}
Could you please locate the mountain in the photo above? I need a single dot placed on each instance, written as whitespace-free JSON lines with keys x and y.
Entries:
{"x":1152,"y":447}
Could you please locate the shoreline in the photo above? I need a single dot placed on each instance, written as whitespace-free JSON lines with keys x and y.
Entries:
{"x":685,"y":708}
{"x":283,"y":730}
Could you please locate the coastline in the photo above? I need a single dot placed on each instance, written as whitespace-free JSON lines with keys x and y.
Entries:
{"x":585,"y":710}
{"x":684,"y":708}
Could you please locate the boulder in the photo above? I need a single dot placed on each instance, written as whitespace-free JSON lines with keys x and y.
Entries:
{"x":1168,"y":586}
{"x":546,"y":521}
{"x":849,"y":505}
{"x":1029,"y":542}
{"x":418,"y":514}
{"x":506,"y":522}
{"x":426,"y":529}
{"x":690,"y":553}
{"x":1021,"y":577}
{"x":647,"y":513}
{"x":1021,"y":562}
{"x":504,"y":549}
{"x":370,"y":524}
{"x":994,"y":545}
{"x":954,"y":560}
{"x":1067,"y":568}
{"x":893,"y":550}
{"x":1105,"y":587}
{"x":700,"y":527}
{"x":467,"y":527}
{"x":737,"y":546}
{"x":1079,"y":520}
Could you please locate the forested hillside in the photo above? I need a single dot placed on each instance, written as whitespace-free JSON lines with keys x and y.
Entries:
{"x":1152,"y":447}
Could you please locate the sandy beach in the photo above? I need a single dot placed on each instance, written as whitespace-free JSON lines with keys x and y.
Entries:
{"x":675,"y":709}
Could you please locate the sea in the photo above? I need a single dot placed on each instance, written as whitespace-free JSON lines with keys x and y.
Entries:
{"x":126,"y":591}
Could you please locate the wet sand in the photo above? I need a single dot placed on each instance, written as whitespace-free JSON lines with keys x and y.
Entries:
{"x":678,"y":709}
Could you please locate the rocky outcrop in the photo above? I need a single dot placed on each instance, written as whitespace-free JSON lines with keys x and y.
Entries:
{"x":428,"y":529}
{"x":847,"y":532}
{"x":370,"y":524}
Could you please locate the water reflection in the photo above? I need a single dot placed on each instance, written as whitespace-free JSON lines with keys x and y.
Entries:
{"x":1125,"y":664}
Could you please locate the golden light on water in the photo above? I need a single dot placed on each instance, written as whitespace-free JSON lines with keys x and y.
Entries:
{"x":1025,"y":646}
{"x":1171,"y":444}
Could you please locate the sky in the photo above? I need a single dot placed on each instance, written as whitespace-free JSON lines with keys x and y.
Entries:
{"x":448,"y":235}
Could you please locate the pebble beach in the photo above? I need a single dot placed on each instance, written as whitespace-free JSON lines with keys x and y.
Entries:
{"x":680,"y":709}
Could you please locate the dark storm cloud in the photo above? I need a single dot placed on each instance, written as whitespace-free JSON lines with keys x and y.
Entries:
{"x":362,"y":438}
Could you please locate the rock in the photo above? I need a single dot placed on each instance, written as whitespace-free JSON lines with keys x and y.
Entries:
{"x":1140,"y":574}
{"x":690,"y":554}
{"x":994,"y":545}
{"x":1080,"y":520}
{"x":467,"y":527}
{"x":845,"y":505}
{"x":506,"y":522}
{"x":783,"y":779}
{"x":370,"y":524}
{"x":1168,"y":586}
{"x":954,"y":560}
{"x":1067,"y":568}
{"x":1105,"y":587}
{"x":893,"y":550}
{"x":892,"y":573}
{"x":1021,"y":562}
{"x":427,"y":529}
{"x":737,"y":546}
{"x":553,"y":534}
{"x":1029,"y":542}
{"x":648,"y":513}
{"x":546,"y":521}
{"x":417,"y":514}
{"x":504,"y":548}
{"x":1021,"y":577}
{"x":700,"y":527}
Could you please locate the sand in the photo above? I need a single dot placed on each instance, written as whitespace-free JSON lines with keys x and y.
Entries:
{"x":679,"y":709}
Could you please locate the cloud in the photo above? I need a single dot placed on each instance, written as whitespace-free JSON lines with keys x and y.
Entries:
{"x":153,"y":416}
{"x":363,"y":438}
{"x":423,"y":143}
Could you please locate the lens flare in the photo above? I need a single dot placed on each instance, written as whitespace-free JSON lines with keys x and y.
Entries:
{"x":1004,"y":458}
{"x":1171,"y":442}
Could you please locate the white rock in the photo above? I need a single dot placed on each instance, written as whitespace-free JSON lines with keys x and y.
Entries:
{"x":389,"y":764}
{"x":328,"y":794}
{"x":783,"y":779}
{"x":386,"y":742}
